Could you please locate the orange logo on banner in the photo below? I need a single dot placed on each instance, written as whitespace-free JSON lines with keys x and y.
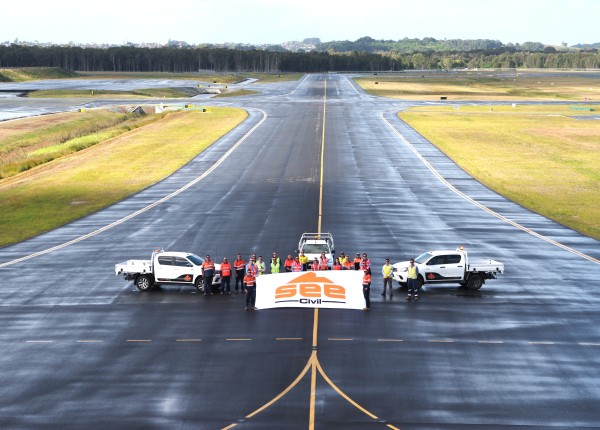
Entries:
{"x":311,"y":289}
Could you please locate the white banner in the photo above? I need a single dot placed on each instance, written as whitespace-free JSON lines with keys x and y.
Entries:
{"x":340,"y":289}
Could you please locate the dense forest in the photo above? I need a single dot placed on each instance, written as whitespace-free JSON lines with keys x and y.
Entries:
{"x":180,"y":60}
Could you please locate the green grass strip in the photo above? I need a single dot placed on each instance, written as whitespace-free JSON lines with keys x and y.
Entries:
{"x":66,"y":189}
{"x":537,"y":156}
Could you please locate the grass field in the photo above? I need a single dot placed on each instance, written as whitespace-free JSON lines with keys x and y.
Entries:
{"x":73,"y":186}
{"x":31,"y":142}
{"x":171,"y":93}
{"x":485,"y":86}
{"x":536,"y":156}
{"x":21,"y":74}
{"x":236,"y":93}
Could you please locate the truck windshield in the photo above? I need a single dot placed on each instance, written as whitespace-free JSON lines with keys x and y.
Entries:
{"x":195,"y":259}
{"x":423,"y":258}
{"x":315,"y":248}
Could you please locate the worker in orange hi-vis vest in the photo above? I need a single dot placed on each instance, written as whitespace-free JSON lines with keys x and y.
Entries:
{"x":225,"y":276}
{"x":240,"y":270}
{"x":297,"y":266}
{"x":367,"y":289}
{"x":208,"y":272}
{"x":250,"y":290}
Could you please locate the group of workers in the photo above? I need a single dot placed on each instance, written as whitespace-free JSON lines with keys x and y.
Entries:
{"x":246,"y":273}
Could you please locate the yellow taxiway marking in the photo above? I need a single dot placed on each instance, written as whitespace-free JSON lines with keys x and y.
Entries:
{"x":313,"y":362}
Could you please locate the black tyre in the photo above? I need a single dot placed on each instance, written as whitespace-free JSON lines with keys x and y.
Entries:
{"x":403,"y":285}
{"x":199,"y":284}
{"x":474,"y":282}
{"x":420,"y":282}
{"x":143,"y":283}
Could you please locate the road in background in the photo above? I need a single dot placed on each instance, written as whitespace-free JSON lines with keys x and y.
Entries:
{"x":82,"y":347}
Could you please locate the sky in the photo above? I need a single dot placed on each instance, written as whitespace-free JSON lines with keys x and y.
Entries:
{"x":551,"y":22}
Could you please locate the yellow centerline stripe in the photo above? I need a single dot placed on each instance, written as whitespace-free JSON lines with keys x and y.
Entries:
{"x":322,"y":160}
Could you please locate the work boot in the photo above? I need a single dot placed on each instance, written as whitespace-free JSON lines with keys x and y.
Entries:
{"x":408,"y":298}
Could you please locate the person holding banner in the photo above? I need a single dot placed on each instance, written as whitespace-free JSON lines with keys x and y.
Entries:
{"x":367,"y":289}
{"x":250,"y":290}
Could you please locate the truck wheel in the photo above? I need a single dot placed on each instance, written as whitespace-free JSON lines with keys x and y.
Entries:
{"x":474,"y":282}
{"x":199,"y":284}
{"x":143,"y":283}
{"x":420,"y":282}
{"x":403,"y":285}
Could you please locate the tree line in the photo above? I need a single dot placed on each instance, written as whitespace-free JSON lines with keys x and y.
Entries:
{"x":223,"y":60}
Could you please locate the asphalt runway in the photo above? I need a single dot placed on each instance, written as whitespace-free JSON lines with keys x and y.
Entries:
{"x":83,"y":348}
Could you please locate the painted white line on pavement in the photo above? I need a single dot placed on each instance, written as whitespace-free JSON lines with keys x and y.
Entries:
{"x":485,"y":208}
{"x":145,"y":209}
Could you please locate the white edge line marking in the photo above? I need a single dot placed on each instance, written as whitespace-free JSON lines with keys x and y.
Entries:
{"x":390,"y":340}
{"x":145,"y":209}
{"x":481,"y":206}
{"x":188,"y":340}
{"x":39,"y":341}
{"x":490,"y":341}
{"x":589,"y":344}
{"x":89,"y":341}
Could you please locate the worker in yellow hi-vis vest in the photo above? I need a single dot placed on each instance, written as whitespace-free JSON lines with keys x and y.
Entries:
{"x":388,"y":275}
{"x":413,"y":281}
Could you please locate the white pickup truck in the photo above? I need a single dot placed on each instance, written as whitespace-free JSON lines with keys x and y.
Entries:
{"x":442,"y":267}
{"x":166,"y":268}
{"x":313,"y":244}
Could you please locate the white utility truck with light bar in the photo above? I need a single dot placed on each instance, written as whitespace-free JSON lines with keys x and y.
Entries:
{"x":313,"y":244}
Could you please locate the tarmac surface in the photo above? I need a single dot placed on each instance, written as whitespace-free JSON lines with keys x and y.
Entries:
{"x":83,"y":348}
